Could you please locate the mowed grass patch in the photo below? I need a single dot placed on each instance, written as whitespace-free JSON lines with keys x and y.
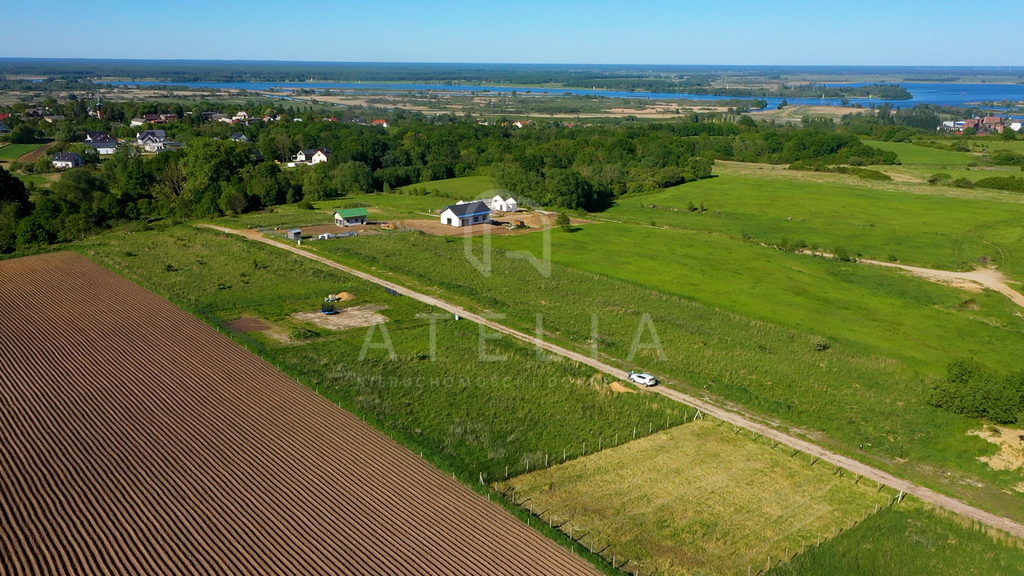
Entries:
{"x":472,"y":415}
{"x":928,"y":230}
{"x":465,"y":188}
{"x":698,"y":499}
{"x":15,"y":151}
{"x":909,"y":542}
{"x":913,"y":154}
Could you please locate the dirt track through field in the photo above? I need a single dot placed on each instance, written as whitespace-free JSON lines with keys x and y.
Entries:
{"x":135,"y":439}
{"x":708,"y":408}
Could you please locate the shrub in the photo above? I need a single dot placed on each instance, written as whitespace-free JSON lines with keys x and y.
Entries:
{"x":940,"y":178}
{"x":841,"y":254}
{"x":973,"y":390}
{"x":1008,"y":183}
{"x":963,"y":183}
{"x":305,"y":205}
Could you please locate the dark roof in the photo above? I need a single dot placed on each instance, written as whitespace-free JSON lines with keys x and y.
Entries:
{"x":154,"y":134}
{"x":94,"y":134}
{"x":469,"y":209}
{"x":103,"y":143}
{"x":67,"y":157}
{"x":238,"y":136}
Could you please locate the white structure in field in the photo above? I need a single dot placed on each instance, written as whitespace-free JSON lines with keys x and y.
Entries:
{"x":499,"y":204}
{"x":466,"y":214}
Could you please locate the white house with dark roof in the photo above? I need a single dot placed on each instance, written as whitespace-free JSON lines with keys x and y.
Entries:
{"x":4,"y":129}
{"x":239,"y":137}
{"x":466,"y":214}
{"x":65,"y":160}
{"x":313,"y":155}
{"x":152,"y":140}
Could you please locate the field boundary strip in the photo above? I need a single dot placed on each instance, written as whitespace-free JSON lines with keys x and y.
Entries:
{"x":708,"y":408}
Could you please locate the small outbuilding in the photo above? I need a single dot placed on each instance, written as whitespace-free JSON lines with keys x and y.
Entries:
{"x":499,"y":204}
{"x":466,"y":214}
{"x":351,"y":216}
{"x":294,"y":234}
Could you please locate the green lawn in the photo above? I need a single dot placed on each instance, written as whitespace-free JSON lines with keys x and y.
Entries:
{"x":466,"y":188}
{"x":929,"y":230}
{"x":912,"y":154}
{"x":908,"y":542}
{"x":15,"y":151}
{"x":699,"y":499}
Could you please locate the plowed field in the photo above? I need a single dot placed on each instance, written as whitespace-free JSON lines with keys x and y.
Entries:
{"x":136,"y":439}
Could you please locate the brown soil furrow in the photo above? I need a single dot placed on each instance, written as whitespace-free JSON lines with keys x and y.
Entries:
{"x":138,"y":440}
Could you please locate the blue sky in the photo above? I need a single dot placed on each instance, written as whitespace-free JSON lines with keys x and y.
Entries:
{"x":870,"y":32}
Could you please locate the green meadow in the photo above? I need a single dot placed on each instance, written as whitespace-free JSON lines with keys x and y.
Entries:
{"x":826,"y":346}
{"x":15,"y":151}
{"x":908,"y":542}
{"x":929,"y":230}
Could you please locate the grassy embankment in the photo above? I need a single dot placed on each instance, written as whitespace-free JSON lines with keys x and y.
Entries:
{"x":15,"y":151}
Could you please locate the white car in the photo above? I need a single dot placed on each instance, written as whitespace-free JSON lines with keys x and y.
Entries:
{"x":643,"y":379}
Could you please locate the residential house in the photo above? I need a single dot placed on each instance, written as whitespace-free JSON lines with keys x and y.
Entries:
{"x":313,"y":155}
{"x":4,"y":116}
{"x":218,"y":117}
{"x":239,"y":137}
{"x":499,"y":204}
{"x":466,"y":214}
{"x":351,"y":216}
{"x":4,"y":129}
{"x":54,"y":119}
{"x":992,"y":124}
{"x":381,"y":123}
{"x":241,"y":116}
{"x":152,"y":140}
{"x":104,"y":143}
{"x":521,"y":123}
{"x":1016,"y":125}
{"x":65,"y":160}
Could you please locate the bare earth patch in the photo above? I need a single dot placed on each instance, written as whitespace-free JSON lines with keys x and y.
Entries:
{"x":1011,"y":447}
{"x":620,"y":387}
{"x":353,"y":317}
{"x":248,"y":324}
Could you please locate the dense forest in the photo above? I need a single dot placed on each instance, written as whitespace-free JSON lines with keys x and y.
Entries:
{"x":545,"y":163}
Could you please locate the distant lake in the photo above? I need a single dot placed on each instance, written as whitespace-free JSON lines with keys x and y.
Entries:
{"x":943,"y":94}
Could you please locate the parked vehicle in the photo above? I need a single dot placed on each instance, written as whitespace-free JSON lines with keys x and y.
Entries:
{"x":643,"y":379}
{"x":348,"y":234}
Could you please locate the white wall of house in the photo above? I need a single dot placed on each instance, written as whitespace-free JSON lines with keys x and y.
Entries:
{"x":319,"y":157}
{"x":450,"y":219}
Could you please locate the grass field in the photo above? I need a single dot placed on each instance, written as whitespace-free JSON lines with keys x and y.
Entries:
{"x":927,"y":230}
{"x":474,"y":417}
{"x":699,"y":499}
{"x":380,"y":206}
{"x":15,"y":151}
{"x":908,"y":542}
{"x":912,"y":154}
{"x":870,"y":387}
{"x":466,"y":188}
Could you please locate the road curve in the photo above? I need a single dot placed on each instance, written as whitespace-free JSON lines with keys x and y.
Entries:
{"x":847,"y":463}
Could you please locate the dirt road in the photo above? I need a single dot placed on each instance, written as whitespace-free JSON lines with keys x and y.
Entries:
{"x":710,"y":409}
{"x":987,"y":277}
